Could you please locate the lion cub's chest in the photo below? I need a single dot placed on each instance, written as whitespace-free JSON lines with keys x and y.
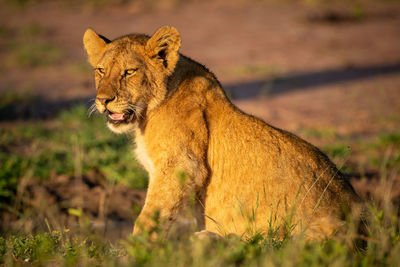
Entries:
{"x":142,"y":155}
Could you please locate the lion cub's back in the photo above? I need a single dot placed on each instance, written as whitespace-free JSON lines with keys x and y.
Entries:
{"x":258,"y":171}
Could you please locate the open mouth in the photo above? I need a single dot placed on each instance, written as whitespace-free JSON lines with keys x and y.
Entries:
{"x":121,"y":118}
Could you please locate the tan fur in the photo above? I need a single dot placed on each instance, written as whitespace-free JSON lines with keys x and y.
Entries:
{"x":240,"y":173}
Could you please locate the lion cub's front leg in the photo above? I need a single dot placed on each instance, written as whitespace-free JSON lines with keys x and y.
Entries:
{"x":176,"y":158}
{"x":163,"y":200}
{"x":171,"y":196}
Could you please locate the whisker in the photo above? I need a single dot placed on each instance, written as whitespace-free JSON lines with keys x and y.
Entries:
{"x":134,"y":106}
{"x":140,"y":115}
{"x":91,"y":112}
{"x":92,"y":109}
{"x":136,"y":109}
{"x":92,"y":106}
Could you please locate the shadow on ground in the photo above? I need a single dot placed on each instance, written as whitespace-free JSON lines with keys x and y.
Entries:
{"x":40,"y":108}
{"x":306,"y":81}
{"x":35,"y":108}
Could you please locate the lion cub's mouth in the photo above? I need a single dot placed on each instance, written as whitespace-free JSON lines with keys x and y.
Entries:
{"x":119,"y":118}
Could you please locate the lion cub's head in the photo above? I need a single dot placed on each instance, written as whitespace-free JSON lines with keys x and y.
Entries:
{"x":131,"y":73}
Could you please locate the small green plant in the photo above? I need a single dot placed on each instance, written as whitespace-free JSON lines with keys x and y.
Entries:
{"x":390,"y":139}
{"x":11,"y":170}
{"x":3,"y":30}
{"x":31,"y":30}
{"x":81,"y":68}
{"x":337,"y":150}
{"x":319,"y":133}
{"x":18,"y":3}
{"x":358,"y":11}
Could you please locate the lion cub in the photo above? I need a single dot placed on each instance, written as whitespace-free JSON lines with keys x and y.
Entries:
{"x":239,"y":174}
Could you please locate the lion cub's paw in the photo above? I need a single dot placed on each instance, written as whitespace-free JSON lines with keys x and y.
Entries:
{"x":208,"y":235}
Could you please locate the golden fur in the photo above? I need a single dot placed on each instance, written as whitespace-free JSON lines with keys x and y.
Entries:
{"x":239,"y":173}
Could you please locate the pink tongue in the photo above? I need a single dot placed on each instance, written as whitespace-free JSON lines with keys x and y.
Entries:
{"x":117,"y":116}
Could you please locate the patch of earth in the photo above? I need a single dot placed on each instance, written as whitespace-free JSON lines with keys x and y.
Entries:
{"x":65,"y":200}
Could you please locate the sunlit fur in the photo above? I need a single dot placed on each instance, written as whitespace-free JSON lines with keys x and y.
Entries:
{"x":140,"y":92}
{"x":239,"y":174}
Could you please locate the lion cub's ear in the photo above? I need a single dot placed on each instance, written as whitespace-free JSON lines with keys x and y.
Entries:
{"x":163,"y":47}
{"x":95,"y":45}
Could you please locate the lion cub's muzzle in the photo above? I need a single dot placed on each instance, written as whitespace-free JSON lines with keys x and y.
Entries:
{"x":121,"y":118}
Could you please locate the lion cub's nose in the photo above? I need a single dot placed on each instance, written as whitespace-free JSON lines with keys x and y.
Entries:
{"x":105,"y":100}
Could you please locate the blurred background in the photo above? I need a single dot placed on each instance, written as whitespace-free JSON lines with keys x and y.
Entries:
{"x":328,"y":71}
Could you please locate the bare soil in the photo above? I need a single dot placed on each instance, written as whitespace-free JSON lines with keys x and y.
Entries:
{"x":104,"y":208}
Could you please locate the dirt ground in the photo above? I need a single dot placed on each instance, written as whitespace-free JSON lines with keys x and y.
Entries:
{"x":291,"y":64}
{"x":295,"y":65}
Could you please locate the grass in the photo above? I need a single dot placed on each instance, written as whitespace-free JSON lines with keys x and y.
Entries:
{"x":33,"y":53}
{"x":329,"y":134}
{"x":73,"y":144}
{"x":80,"y":68}
{"x":62,"y":248}
{"x":36,"y":54}
{"x":38,"y":149}
{"x":352,"y":153}
{"x":25,"y":48}
{"x":337,"y":150}
{"x":52,"y":247}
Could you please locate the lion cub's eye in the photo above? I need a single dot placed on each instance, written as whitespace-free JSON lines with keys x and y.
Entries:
{"x":129,"y":72}
{"x":100,"y":71}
